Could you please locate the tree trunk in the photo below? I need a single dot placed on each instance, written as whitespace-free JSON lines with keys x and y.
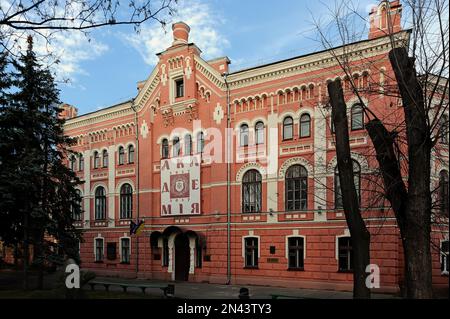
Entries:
{"x":416,"y":237}
{"x":359,"y":233}
{"x":26,"y":252}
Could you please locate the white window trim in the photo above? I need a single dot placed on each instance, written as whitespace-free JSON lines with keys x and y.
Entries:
{"x":346,"y":234}
{"x":445,"y":271}
{"x":287,"y":246}
{"x":120,"y":246}
{"x":243,"y":246}
{"x":99,"y":236}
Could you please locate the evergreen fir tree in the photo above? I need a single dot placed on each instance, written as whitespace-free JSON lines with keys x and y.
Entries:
{"x":41,"y":186}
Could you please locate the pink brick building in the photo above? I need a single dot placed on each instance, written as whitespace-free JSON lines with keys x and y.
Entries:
{"x":272,"y":216}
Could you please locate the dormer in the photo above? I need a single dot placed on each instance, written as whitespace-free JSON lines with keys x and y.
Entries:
{"x":385,"y":19}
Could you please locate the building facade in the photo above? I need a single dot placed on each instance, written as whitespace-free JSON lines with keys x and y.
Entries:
{"x":269,"y":211}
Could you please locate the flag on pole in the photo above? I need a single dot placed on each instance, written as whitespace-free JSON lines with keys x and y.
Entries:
{"x":135,"y":229}
{"x":140,"y":227}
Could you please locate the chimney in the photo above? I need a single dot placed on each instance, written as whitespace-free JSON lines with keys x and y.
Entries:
{"x":385,"y":19}
{"x":68,"y":111}
{"x":180,"y":33}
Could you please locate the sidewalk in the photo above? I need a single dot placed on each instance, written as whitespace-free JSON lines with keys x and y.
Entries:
{"x":188,"y":290}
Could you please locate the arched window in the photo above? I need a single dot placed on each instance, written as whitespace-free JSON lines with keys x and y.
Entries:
{"x":357,"y":117}
{"x":165,"y":148}
{"x":105,"y":158}
{"x":259,"y":132}
{"x":443,"y":192}
{"x":81,"y":162}
{"x":337,"y":186}
{"x":126,"y":201}
{"x":76,"y":207}
{"x":243,"y":135}
{"x":73,"y":162}
{"x":305,"y":125}
{"x":296,"y":187}
{"x":130,"y":154}
{"x":443,"y":129}
{"x":176,"y":146}
{"x":121,"y":155}
{"x":288,"y":128}
{"x":96,"y":160}
{"x":187,"y":145}
{"x":251,"y":192}
{"x":100,"y":203}
{"x":200,"y":142}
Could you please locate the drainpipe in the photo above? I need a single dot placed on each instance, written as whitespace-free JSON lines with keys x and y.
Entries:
{"x":228,"y":157}
{"x":136,"y":160}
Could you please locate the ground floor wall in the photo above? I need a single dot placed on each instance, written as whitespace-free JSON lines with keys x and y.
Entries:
{"x":207,"y":262}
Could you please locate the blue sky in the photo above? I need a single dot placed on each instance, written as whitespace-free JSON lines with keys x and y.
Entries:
{"x":104,"y":71}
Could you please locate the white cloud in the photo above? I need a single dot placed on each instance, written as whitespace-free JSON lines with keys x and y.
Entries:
{"x":204,"y":24}
{"x":70,"y":48}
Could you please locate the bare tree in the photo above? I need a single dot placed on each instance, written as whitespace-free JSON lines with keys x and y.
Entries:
{"x":405,"y":144}
{"x":42,"y":18}
{"x":358,"y":231}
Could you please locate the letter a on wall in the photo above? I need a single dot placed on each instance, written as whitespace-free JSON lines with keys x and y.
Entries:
{"x":180,"y":186}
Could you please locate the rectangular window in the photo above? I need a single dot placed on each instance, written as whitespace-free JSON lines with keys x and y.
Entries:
{"x":444,"y":257}
{"x":179,"y":88}
{"x":125,"y":250}
{"x":345,"y":252}
{"x":99,"y":249}
{"x":251,"y":252}
{"x":295,"y":253}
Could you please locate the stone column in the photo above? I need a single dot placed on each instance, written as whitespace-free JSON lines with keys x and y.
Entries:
{"x":191,"y":255}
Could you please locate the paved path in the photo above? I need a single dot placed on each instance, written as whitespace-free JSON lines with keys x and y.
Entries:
{"x":187,"y":290}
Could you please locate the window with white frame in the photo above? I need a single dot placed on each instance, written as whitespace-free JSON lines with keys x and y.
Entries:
{"x":243,"y":135}
{"x":165,"y":148}
{"x":179,"y":88}
{"x":73,"y":163}
{"x":251,"y":252}
{"x":98,"y":249}
{"x":96,"y":160}
{"x":125,"y":251}
{"x":176,"y":146}
{"x":259,"y":133}
{"x":126,"y":201}
{"x":100,"y":203}
{"x":105,"y":158}
{"x":130,"y":154}
{"x":296,"y":247}
{"x":288,"y":128}
{"x":338,"y":203}
{"x":305,"y":125}
{"x":251,"y":192}
{"x":81,"y":162}
{"x":76,"y":206}
{"x":121,"y":155}
{"x":357,"y":119}
{"x":345,"y":254}
{"x":444,"y":257}
{"x":200,"y":142}
{"x":296,"y":185}
{"x":188,"y":145}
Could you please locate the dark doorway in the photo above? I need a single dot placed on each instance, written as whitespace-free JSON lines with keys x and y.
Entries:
{"x":182,"y":261}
